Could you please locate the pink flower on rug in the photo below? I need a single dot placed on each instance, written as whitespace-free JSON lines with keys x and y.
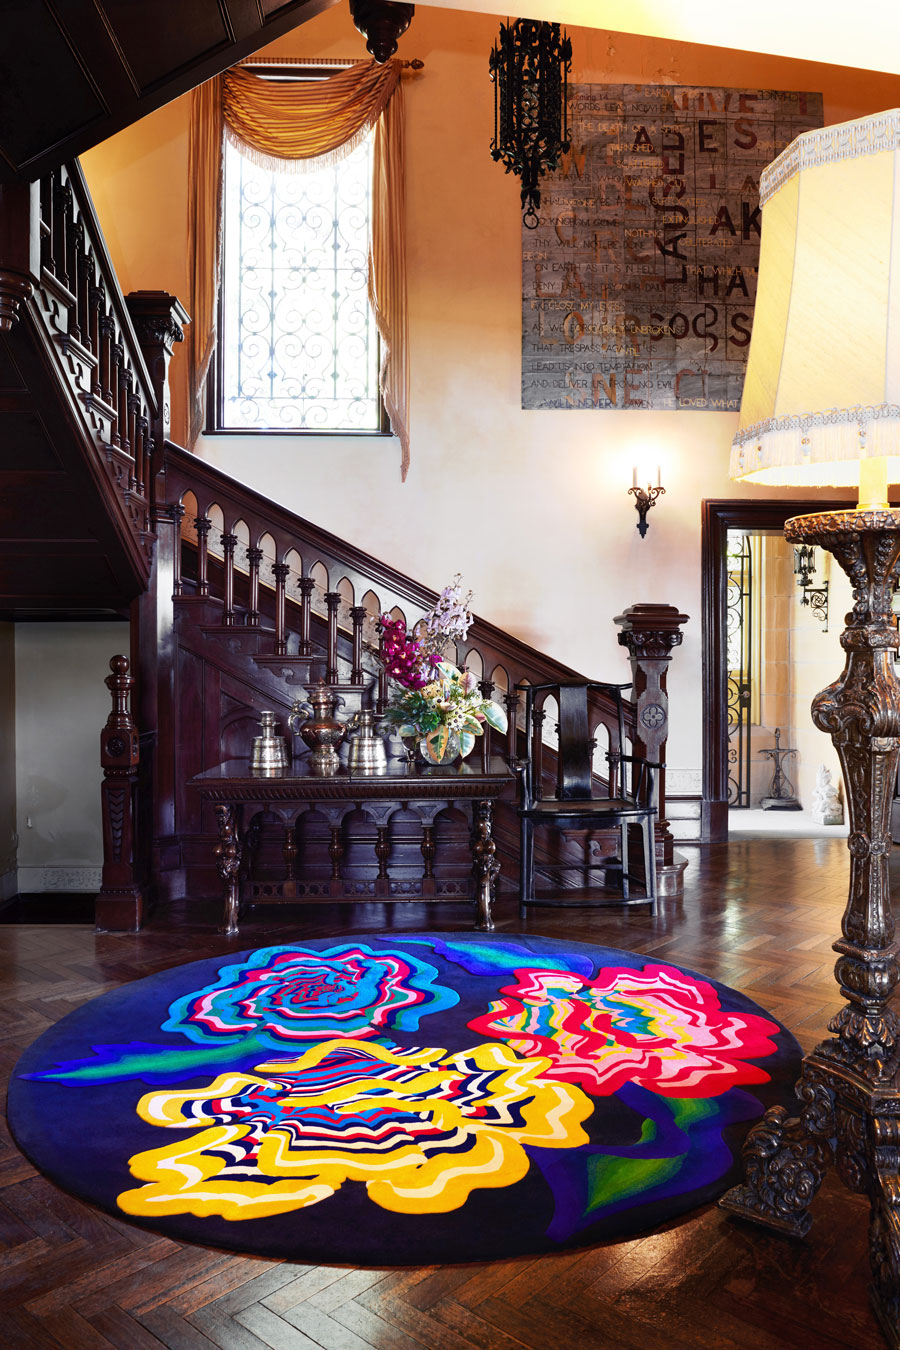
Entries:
{"x":659,"y":1028}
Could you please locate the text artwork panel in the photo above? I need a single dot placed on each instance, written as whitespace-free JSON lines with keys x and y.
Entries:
{"x":639,"y":282}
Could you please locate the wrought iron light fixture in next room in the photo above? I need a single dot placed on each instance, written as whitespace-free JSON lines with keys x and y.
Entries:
{"x":530,"y":67}
{"x":814,"y":596}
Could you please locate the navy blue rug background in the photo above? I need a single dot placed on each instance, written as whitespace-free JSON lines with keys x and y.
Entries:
{"x":82,"y":1136}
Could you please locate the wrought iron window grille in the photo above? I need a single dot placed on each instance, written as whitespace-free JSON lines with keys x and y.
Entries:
{"x":298,"y":350}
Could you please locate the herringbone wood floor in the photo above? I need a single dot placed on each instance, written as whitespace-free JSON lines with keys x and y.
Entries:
{"x":759,"y":915}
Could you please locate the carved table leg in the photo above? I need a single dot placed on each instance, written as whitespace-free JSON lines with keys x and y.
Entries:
{"x":289,"y":853}
{"x":382,"y":853}
{"x":486,"y":864}
{"x":428,"y":849}
{"x":884,"y":1228}
{"x":228,"y":864}
{"x":784,"y":1162}
{"x":336,"y":853}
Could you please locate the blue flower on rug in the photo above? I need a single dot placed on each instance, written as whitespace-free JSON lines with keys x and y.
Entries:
{"x":287,"y":994}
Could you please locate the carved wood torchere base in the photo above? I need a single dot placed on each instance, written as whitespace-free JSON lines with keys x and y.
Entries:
{"x":849,"y":1091}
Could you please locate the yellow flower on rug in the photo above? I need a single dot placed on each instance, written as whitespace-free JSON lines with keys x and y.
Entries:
{"x":422,"y":1129}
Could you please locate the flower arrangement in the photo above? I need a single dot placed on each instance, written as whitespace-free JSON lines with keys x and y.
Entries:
{"x":439,"y":705}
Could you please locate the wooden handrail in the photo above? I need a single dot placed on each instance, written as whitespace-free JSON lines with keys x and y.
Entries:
{"x":238,"y":502}
{"x":498,"y":650}
{"x":56,"y":275}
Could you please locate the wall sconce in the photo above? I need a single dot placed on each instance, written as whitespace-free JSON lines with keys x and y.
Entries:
{"x":814,"y":596}
{"x":644,"y":498}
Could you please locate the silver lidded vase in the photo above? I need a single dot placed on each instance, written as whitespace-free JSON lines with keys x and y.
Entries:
{"x":269,"y":751}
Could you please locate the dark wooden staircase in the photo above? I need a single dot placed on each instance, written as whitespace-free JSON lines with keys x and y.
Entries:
{"x":236,"y":605}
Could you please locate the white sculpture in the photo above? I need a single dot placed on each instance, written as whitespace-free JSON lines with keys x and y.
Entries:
{"x":827,"y":808}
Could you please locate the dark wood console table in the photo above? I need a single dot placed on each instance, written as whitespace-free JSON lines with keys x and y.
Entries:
{"x":427,"y":790}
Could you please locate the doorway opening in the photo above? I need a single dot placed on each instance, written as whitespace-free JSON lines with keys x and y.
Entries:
{"x":769,"y":646}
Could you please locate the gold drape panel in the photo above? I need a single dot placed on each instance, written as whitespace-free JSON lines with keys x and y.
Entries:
{"x":204,"y":238}
{"x":282,"y":123}
{"x":387,"y":268}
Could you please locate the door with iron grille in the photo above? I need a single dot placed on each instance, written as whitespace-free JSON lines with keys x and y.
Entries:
{"x":739,"y":646}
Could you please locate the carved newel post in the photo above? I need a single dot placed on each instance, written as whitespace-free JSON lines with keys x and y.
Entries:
{"x":651,"y":632}
{"x":158,"y":318}
{"x":848,"y":1091}
{"x":121,"y":902}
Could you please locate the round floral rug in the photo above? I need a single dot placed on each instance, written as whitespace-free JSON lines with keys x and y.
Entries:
{"x":384,"y":1100}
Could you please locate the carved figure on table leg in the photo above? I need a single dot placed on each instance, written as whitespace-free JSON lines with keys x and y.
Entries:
{"x":227,"y":853}
{"x":486,"y":864}
{"x":785,"y":1158}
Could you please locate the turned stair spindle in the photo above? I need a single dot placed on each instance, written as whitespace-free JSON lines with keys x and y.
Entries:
{"x":122,"y":402}
{"x":62,"y":206}
{"x":307,"y":586}
{"x":358,"y":616}
{"x":229,"y":542}
{"x":83,"y":277}
{"x":178,"y":514}
{"x":107,"y":355}
{"x":332,"y":603}
{"x":280,"y":571}
{"x":254,"y":558}
{"x":95,"y":305}
{"x":116,"y":356}
{"x":133,"y":405}
{"x":511,"y":703}
{"x":486,"y":689}
{"x":203,"y":525}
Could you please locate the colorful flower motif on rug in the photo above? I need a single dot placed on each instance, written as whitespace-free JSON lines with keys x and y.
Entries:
{"x":421,"y":1128}
{"x":581,"y":1093}
{"x":298,"y":994}
{"x":658,"y":1028}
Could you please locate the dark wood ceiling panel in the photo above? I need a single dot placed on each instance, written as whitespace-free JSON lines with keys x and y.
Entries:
{"x":72,"y":72}
{"x":37,"y":56}
{"x":153,"y":51}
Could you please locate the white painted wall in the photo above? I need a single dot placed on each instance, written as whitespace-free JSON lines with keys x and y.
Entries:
{"x":531,"y":507}
{"x":61,"y":706}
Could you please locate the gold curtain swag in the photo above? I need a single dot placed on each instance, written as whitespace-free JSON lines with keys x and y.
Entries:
{"x":285,"y":124}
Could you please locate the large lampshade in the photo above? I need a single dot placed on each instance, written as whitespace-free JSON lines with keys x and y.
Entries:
{"x":822,"y":391}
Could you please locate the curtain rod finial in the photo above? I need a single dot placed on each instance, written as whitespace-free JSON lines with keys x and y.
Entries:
{"x":381,"y":22}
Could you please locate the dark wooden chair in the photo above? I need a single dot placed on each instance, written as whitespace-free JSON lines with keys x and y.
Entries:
{"x":580,"y":803}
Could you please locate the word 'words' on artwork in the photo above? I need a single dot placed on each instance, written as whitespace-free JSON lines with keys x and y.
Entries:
{"x":638,"y":286}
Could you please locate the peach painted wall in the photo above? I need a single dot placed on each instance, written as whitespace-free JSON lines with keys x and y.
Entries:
{"x":530,"y":506}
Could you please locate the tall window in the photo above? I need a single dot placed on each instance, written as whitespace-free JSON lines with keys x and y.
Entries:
{"x":298,"y":345}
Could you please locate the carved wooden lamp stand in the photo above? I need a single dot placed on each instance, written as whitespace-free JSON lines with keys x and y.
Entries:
{"x":825,"y":333}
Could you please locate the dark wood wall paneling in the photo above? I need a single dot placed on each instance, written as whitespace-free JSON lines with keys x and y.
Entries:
{"x":72,"y":72}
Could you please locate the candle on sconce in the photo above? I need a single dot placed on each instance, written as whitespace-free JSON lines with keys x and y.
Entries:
{"x":634,"y":480}
{"x":658,"y":476}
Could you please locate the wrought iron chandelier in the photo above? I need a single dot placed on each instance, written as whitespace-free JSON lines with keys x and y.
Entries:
{"x":530,"y":66}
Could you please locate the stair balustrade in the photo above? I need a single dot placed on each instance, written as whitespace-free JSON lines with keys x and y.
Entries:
{"x":282,"y":603}
{"x":56,"y":276}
